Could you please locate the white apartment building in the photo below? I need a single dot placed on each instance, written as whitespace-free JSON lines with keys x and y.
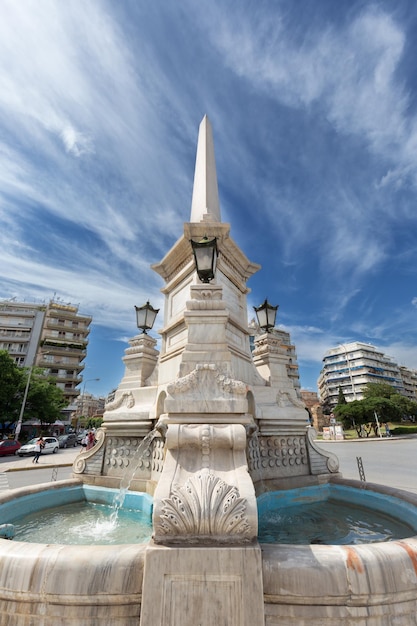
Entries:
{"x":20,"y":330}
{"x":52,"y":336}
{"x":351,"y":366}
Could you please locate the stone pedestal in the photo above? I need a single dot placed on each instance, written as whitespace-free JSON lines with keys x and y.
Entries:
{"x":202,"y":586}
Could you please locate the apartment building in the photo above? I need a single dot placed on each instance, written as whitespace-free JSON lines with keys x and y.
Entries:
{"x":53,"y":336}
{"x":20,"y":330}
{"x":351,"y":366}
{"x":87,"y":405}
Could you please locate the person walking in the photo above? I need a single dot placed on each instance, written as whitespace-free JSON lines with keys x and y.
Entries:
{"x":38,"y":449}
{"x":91,"y":440}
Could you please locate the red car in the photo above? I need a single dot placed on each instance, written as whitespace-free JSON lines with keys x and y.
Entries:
{"x":9,"y":446}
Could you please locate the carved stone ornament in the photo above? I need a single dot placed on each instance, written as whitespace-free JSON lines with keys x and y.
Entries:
{"x":285,"y":399}
{"x":126,"y":398}
{"x":268,"y":344}
{"x":205,"y":506}
{"x":192,"y":381}
{"x":206,"y":294}
{"x":85,"y":456}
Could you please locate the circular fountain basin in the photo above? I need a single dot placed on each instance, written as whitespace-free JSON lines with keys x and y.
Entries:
{"x":80,"y":514}
{"x":369,"y":584}
{"x":51,"y":583}
{"x":333,"y":515}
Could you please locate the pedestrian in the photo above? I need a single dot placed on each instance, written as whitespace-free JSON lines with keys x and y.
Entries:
{"x":387,"y":430}
{"x":39,"y":445}
{"x":90,"y":440}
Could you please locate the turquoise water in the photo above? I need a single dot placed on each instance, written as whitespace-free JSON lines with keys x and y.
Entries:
{"x":325,"y":514}
{"x":84,"y":523}
{"x":333,"y":515}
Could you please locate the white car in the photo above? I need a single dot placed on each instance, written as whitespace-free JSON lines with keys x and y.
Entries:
{"x":51,"y":445}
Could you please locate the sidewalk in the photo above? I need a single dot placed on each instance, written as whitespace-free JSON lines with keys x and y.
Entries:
{"x":65,"y":457}
{"x":367,"y":439}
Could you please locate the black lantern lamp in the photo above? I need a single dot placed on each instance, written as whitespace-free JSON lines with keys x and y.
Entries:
{"x":205,"y":256}
{"x":145,"y":316}
{"x":266,"y":315}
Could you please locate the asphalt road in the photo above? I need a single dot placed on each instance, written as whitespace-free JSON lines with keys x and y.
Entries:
{"x":391,"y":461}
{"x":21,"y":472}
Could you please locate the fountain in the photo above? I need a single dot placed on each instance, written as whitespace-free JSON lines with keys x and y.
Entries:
{"x":222,"y":433}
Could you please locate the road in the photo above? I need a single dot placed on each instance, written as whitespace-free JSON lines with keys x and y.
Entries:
{"x":20,"y":472}
{"x":391,"y":461}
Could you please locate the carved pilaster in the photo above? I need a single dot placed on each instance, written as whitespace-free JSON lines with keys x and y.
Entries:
{"x":205,"y":494}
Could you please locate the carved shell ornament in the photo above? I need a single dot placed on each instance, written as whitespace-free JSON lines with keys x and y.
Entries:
{"x":204,"y":506}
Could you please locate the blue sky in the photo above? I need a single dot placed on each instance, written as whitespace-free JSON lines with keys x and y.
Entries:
{"x":313,"y":105}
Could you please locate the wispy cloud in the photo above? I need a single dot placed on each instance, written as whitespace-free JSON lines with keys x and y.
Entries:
{"x":315,"y":138}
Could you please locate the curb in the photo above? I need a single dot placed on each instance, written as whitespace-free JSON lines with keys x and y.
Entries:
{"x":35,"y":467}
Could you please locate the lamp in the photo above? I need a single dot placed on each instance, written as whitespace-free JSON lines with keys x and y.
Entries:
{"x":266,"y":314}
{"x":145,"y":316}
{"x":205,"y":256}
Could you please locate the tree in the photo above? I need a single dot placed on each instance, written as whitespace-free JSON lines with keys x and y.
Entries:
{"x":12,"y":384}
{"x":341,"y":398}
{"x":379,"y":399}
{"x":45,"y":400}
{"x":379,"y":390}
{"x":353,"y":415}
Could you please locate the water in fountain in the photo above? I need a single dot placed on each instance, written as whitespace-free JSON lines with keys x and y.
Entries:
{"x":329,"y":522}
{"x":129,"y":473}
{"x":83,"y":523}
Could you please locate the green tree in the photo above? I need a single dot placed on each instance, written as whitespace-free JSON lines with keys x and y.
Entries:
{"x":341,"y":398}
{"x":353,"y":415}
{"x":380,"y":399}
{"x":45,"y":400}
{"x":94,"y":422}
{"x":379,"y":390}
{"x":12,"y":384}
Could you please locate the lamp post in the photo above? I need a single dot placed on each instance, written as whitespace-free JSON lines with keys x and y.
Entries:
{"x":205,"y":256}
{"x":145,"y":316}
{"x":25,"y":395}
{"x":266,"y":315}
{"x":22,"y":408}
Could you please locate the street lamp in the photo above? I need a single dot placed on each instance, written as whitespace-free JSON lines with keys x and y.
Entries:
{"x":145,"y":316}
{"x":25,"y":395}
{"x":205,"y":256}
{"x":22,"y":408}
{"x":266,"y":315}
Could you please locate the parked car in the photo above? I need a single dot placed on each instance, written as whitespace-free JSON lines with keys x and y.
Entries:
{"x":51,"y":445}
{"x":66,"y":441}
{"x":9,"y":446}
